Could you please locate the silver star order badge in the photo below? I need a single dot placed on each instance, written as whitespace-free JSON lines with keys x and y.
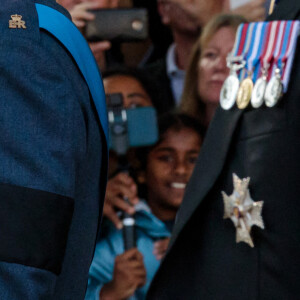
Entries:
{"x":242,"y":210}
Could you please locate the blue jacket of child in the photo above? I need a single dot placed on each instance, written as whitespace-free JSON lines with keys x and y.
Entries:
{"x":148,"y":230}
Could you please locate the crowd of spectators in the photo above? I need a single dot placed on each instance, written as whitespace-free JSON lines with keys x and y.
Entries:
{"x":180,"y":75}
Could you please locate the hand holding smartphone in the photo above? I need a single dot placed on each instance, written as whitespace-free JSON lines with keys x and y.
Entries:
{"x":122,"y":25}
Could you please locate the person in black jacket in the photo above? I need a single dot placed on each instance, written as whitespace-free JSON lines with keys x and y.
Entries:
{"x":262,"y":147}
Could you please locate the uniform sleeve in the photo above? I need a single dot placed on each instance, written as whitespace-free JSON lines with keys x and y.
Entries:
{"x":42,"y":139}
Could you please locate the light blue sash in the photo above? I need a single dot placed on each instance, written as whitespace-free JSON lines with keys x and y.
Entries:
{"x":67,"y":33}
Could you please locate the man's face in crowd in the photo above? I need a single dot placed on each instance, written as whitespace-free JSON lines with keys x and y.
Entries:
{"x":178,"y":18}
{"x":169,"y":167}
{"x":134,"y":95}
{"x":201,"y":10}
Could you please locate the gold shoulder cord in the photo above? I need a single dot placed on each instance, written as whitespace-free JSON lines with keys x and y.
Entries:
{"x":271,"y":8}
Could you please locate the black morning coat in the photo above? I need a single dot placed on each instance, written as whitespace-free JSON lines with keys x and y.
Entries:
{"x":52,"y":162}
{"x":204,"y":261}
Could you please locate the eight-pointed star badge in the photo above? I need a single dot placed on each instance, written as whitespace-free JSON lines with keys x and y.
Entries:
{"x":242,"y":210}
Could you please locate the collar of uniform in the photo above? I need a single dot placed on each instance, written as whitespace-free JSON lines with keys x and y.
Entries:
{"x":55,"y":5}
{"x":172,"y":68}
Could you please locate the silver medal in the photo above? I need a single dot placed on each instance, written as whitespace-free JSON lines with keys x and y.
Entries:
{"x":231,"y":85}
{"x":258,"y":93}
{"x":229,"y":91}
{"x":274,"y":90}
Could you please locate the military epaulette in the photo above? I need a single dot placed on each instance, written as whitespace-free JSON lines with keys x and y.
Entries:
{"x":19,"y":20}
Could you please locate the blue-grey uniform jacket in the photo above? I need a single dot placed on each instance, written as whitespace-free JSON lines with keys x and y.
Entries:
{"x":52,"y":162}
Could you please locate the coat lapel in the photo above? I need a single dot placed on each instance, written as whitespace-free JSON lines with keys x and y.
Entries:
{"x":217,"y":142}
{"x":209,"y":165}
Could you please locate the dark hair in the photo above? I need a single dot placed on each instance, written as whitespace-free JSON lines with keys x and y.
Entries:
{"x":141,"y":76}
{"x":178,"y":121}
{"x":170,"y":120}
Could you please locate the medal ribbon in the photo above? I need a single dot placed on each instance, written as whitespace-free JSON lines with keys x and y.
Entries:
{"x":243,"y":42}
{"x":272,"y":33}
{"x":237,"y":41}
{"x":248,"y":46}
{"x":288,"y":58}
{"x":239,"y":45}
{"x":252,"y":53}
{"x":281,"y":45}
{"x":259,"y":46}
{"x":254,"y":47}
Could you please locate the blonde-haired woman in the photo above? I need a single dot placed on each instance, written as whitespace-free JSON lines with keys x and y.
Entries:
{"x":207,"y":68}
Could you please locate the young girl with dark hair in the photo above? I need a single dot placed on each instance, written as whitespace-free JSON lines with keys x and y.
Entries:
{"x":166,"y":169}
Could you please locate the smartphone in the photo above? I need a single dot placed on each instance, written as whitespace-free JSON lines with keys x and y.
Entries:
{"x":133,"y":127}
{"x":121,"y":25}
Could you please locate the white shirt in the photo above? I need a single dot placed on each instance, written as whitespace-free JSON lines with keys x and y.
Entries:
{"x":175,"y":74}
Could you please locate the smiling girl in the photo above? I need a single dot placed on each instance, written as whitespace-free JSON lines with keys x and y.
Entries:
{"x":165,"y":170}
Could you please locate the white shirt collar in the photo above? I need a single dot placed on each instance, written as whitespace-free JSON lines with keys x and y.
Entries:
{"x":172,"y":67}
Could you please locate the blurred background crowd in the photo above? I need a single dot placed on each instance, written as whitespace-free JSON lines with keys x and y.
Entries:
{"x":179,"y":70}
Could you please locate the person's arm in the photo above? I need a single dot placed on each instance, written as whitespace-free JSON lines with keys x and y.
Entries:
{"x":118,"y":187}
{"x":253,"y":11}
{"x":41,"y":122}
{"x":81,"y":15}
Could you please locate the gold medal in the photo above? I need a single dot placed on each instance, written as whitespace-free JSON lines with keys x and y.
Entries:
{"x":244,"y":94}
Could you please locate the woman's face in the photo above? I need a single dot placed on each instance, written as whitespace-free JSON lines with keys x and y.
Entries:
{"x":134,"y":95}
{"x":212,"y":68}
{"x":169,"y":167}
